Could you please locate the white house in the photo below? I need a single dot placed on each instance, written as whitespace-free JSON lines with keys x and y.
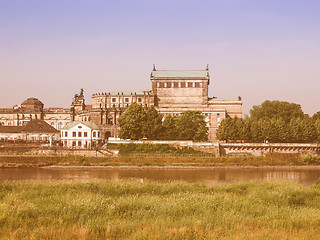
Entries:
{"x":81,"y":134}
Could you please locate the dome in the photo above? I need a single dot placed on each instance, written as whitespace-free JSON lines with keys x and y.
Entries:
{"x":32,"y":103}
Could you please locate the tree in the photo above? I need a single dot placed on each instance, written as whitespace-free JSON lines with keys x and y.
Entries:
{"x":276,"y":109}
{"x":316,"y":116}
{"x":191,"y":126}
{"x":309,"y":133}
{"x":152,"y":128}
{"x":256,"y":132}
{"x":224,"y":130}
{"x":170,"y":131}
{"x":317,"y":126}
{"x":246,"y":133}
{"x":132,"y":122}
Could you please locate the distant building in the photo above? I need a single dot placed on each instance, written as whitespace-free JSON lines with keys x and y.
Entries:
{"x":32,"y":108}
{"x":173,"y":92}
{"x":35,"y":130}
{"x":81,"y":135}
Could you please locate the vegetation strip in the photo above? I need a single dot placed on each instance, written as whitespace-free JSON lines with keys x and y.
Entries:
{"x":151,"y":210}
{"x":271,"y":159}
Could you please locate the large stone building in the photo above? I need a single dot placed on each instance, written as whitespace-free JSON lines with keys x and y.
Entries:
{"x":32,"y":108}
{"x":173,"y":92}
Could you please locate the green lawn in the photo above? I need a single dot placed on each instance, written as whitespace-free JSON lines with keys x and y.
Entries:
{"x":150,"y":210}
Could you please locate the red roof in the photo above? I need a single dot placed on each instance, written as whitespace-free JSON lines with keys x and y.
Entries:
{"x":88,"y":106}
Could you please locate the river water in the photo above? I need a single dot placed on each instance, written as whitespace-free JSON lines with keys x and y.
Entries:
{"x":304,"y":175}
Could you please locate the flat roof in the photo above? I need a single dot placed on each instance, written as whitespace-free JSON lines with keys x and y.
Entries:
{"x":180,"y":74}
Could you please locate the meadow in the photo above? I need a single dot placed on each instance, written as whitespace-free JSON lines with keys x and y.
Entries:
{"x":138,"y":209}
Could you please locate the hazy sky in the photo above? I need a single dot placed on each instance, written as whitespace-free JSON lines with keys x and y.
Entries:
{"x":257,"y":49}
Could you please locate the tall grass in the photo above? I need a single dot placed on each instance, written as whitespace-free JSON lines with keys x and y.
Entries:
{"x":150,"y":210}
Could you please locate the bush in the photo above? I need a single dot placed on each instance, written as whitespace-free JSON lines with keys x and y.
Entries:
{"x":147,"y":148}
{"x":311,"y":159}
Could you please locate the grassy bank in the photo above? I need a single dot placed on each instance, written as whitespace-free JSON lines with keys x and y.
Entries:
{"x":148,"y":210}
{"x":272,"y":159}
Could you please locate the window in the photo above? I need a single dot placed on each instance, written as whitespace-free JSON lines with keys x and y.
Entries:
{"x":73,"y":143}
{"x":197,"y":84}
{"x":126,"y":99}
{"x":85,"y":134}
{"x":139,"y":99}
{"x":65,"y":143}
{"x":183,"y":85}
{"x":114,"y":99}
{"x":98,"y":134}
{"x":79,"y":134}
{"x":74,"y":134}
{"x":94,"y":134}
{"x":189,"y":84}
{"x":79,"y":143}
{"x":66,"y":134}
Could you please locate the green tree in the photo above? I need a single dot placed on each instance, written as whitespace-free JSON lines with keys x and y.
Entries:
{"x":317,"y":127}
{"x":276,"y":109}
{"x":256,"y":132}
{"x":224,"y":130}
{"x":170,"y":130}
{"x":316,"y":116}
{"x":282,"y":130}
{"x":309,"y":133}
{"x":132,"y":122}
{"x":302,"y":130}
{"x":152,"y":128}
{"x":191,"y":126}
{"x":246,"y":132}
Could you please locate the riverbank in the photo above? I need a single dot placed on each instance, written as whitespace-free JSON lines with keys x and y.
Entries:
{"x":271,"y":159}
{"x":151,"y":210}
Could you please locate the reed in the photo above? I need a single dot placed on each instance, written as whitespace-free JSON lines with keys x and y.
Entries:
{"x":150,"y":210}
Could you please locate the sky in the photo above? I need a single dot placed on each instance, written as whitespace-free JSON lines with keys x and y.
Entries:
{"x":257,"y":49}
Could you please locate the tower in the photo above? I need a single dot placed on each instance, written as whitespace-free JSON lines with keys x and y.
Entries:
{"x":78,"y":103}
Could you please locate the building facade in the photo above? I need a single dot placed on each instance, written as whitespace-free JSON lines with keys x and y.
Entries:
{"x":35,"y":130}
{"x":32,"y":108}
{"x":83,"y":135}
{"x":172,"y":93}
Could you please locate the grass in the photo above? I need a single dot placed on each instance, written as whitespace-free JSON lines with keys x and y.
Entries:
{"x":150,"y":210}
{"x":271,"y":159}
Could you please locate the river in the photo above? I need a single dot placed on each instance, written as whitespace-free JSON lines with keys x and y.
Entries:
{"x":304,"y":175}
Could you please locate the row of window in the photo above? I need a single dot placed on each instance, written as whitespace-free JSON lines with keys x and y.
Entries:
{"x":179,"y":84}
{"x":126,"y":100}
{"x":80,"y":134}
